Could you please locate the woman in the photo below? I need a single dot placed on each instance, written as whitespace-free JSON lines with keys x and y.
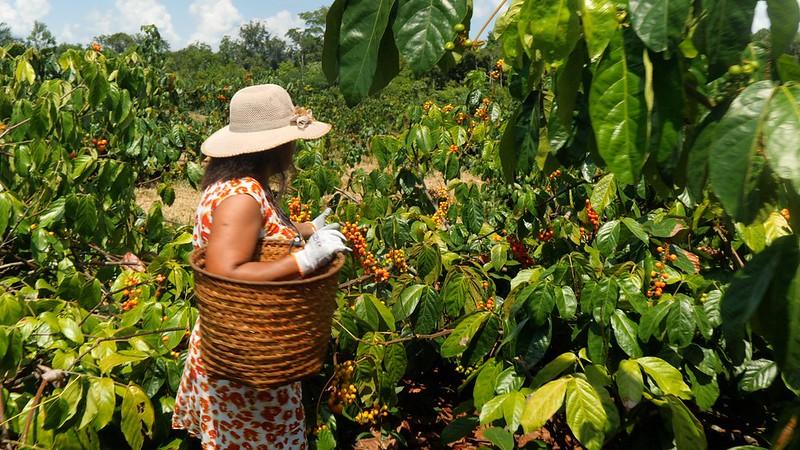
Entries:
{"x":236,"y":208}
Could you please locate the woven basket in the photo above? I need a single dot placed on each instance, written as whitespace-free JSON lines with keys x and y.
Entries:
{"x":269,"y":333}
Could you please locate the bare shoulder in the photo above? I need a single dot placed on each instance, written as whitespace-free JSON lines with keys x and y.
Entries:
{"x":238,"y":208}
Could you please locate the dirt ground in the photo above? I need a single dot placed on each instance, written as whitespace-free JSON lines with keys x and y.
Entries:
{"x":182,"y":210}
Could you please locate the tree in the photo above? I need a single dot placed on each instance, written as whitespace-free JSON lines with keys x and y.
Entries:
{"x":40,"y":36}
{"x":307,"y":42}
{"x":117,"y":42}
{"x":5,"y":34}
{"x":254,"y":47}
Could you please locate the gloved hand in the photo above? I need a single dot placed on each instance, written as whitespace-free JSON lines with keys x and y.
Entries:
{"x":319,"y":222}
{"x":320,"y":249}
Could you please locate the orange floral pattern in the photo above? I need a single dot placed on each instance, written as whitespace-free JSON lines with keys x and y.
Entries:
{"x":224,"y":414}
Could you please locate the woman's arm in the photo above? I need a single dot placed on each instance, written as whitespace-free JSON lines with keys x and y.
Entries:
{"x":305,"y":228}
{"x":233,"y":240}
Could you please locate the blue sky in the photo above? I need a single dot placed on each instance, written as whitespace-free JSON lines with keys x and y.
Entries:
{"x":183,"y":21}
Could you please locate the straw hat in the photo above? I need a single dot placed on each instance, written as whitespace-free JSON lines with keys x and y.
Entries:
{"x":262,"y":117}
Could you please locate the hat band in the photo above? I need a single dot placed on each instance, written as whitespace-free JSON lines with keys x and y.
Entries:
{"x":301,"y":118}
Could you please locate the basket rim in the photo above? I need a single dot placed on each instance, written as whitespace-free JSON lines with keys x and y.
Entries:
{"x":330,"y":271}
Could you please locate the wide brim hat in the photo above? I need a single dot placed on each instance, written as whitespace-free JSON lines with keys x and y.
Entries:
{"x":262,"y":117}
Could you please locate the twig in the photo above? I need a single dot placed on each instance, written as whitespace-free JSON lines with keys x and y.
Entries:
{"x":435,"y":335}
{"x":354,"y":281}
{"x":17,"y":263}
{"x":727,"y":243}
{"x":346,"y":194}
{"x":34,"y":405}
{"x":489,"y":20}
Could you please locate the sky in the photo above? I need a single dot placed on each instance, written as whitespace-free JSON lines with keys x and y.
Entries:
{"x":182,"y":22}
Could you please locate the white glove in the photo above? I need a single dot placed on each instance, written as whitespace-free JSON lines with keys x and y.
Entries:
{"x":320,"y":249}
{"x":319,"y":222}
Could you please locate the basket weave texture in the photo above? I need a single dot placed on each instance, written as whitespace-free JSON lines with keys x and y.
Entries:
{"x":268,"y":333}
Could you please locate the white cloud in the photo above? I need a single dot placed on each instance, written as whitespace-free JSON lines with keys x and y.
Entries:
{"x":128,"y":16}
{"x":214,"y":18}
{"x":281,"y":22}
{"x":21,"y":15}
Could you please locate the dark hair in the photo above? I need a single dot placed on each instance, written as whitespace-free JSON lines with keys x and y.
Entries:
{"x":260,"y":165}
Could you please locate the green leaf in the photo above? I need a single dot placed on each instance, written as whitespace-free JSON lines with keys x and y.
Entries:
{"x":784,"y":16}
{"x":782,"y":133}
{"x":737,"y":140}
{"x":459,"y":428}
{"x":543,"y":403}
{"x":625,"y":331}
{"x":688,"y":430}
{"x":659,"y":23}
{"x":748,"y":287}
{"x":499,"y":255}
{"x":599,"y":25}
{"x":681,"y":322}
{"x":636,"y":229}
{"x":668,"y":378}
{"x":618,"y":112}
{"x":512,"y":410}
{"x":586,"y":416}
{"x":459,"y":339}
{"x":758,"y":374}
{"x":102,"y":392}
{"x":422,"y":27}
{"x":704,"y":388}
{"x":115,"y":359}
{"x":395,"y":362}
{"x":554,"y":26}
{"x":460,"y":288}
{"x":520,"y":141}
{"x":472,"y":215}
{"x":70,"y":330}
{"x":383,"y":310}
{"x":363,"y":25}
{"x":330,"y":45}
{"x":566,"y":302}
{"x":725,"y":32}
{"x":408,"y":301}
{"x":499,"y":437}
{"x":493,"y":409}
{"x":24,"y":72}
{"x":554,"y":368}
{"x":604,"y":192}
{"x":608,"y":237}
{"x":485,"y":383}
{"x":630,"y":383}
{"x":429,"y":312}
{"x":137,"y":416}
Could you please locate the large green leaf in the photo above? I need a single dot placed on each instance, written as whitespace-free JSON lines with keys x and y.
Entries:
{"x":543,"y":403}
{"x":485,"y":382}
{"x":604,"y":192}
{"x":630,"y":383}
{"x":784,"y":16}
{"x":408,"y":301}
{"x":686,"y":428}
{"x":681,"y":322}
{"x":422,"y":28}
{"x":758,"y":374}
{"x":599,"y":25}
{"x":554,"y":26}
{"x":667,"y":377}
{"x":137,"y":416}
{"x":459,"y":339}
{"x":625,"y":331}
{"x":782,"y":133}
{"x":428,"y":312}
{"x":500,"y":437}
{"x":330,"y":45}
{"x":363,"y":25}
{"x":554,"y":368}
{"x":778,"y":317}
{"x":618,"y":111}
{"x":749,"y":286}
{"x":586,"y":416}
{"x":659,"y":23}
{"x":725,"y":32}
{"x":520,"y":141}
{"x":737,"y":139}
{"x":395,"y":362}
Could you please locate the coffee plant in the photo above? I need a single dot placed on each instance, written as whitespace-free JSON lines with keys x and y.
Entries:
{"x":589,"y":242}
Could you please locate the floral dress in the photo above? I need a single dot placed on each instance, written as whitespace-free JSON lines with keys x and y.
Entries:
{"x":224,"y":414}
